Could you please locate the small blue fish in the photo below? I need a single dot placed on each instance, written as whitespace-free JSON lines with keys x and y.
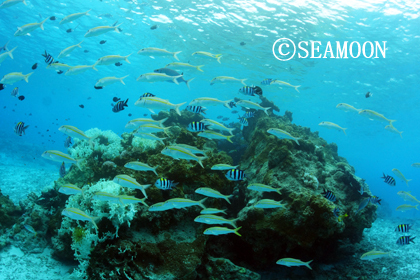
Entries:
{"x":62,"y":170}
{"x":20,"y":128}
{"x":329,"y":195}
{"x":235,"y":175}
{"x":405,"y":240}
{"x":197,"y":109}
{"x":165,"y":184}
{"x":67,"y":142}
{"x":389,"y":180}
{"x":119,"y":106}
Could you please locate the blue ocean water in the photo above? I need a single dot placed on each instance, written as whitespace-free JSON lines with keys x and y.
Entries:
{"x":219,"y":27}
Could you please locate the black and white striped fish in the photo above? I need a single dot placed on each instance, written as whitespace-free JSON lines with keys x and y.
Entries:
{"x":119,"y":106}
{"x":197,"y":109}
{"x":62,"y":170}
{"x":232,"y":104}
{"x":266,"y":82}
{"x":405,"y":240}
{"x":165,"y":184}
{"x":20,"y":128}
{"x":329,"y":195}
{"x":243,"y":121}
{"x":247,"y":90}
{"x":197,"y":127}
{"x":147,"y":94}
{"x":375,"y":199}
{"x":403,"y":228}
{"x":48,"y":58}
{"x":235,"y":175}
{"x":388,"y":179}
{"x":67,"y":142}
{"x":249,"y":114}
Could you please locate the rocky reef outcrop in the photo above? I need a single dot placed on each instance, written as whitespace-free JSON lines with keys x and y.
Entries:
{"x":134,"y":243}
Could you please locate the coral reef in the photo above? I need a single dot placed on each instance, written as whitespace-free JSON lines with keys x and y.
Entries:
{"x":134,"y":243}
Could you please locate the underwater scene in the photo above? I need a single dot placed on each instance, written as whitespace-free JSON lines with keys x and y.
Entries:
{"x":219,"y":140}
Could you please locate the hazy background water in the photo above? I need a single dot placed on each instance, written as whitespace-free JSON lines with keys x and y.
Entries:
{"x":219,"y":27}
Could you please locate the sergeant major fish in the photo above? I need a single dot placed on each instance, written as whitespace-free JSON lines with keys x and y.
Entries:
{"x":165,"y":184}
{"x":388,"y":179}
{"x":119,"y":106}
{"x":235,"y":175}
{"x":20,"y":128}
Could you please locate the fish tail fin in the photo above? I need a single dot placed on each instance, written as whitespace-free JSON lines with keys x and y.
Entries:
{"x":175,"y":80}
{"x":188,"y":82}
{"x":200,"y":203}
{"x":121,"y":79}
{"x":266,"y":110}
{"x":391,"y":122}
{"x":175,"y":53}
{"x":236,"y":231}
{"x":41,"y":24}
{"x":78,"y":45}
{"x":116,"y":28}
{"x":230,"y":130}
{"x":243,"y":81}
{"x":219,"y":56}
{"x":161,"y":140}
{"x":200,"y":160}
{"x":10,"y":52}
{"x":401,"y":134}
{"x":144,"y":203}
{"x":307,"y":264}
{"x":154,"y":169}
{"x":344,"y":130}
{"x":93,"y":67}
{"x":296,"y":140}
{"x":406,"y":182}
{"x":126,"y":58}
{"x":199,"y":68}
{"x":226,"y":104}
{"x":177,"y":108}
{"x":25,"y":129}
{"x":296,"y":88}
{"x":228,"y":197}
{"x":228,"y":138}
{"x":86,"y":14}
{"x":27,"y":77}
{"x":203,"y":111}
{"x":94,"y":220}
{"x":164,"y":130}
{"x":162,"y":121}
